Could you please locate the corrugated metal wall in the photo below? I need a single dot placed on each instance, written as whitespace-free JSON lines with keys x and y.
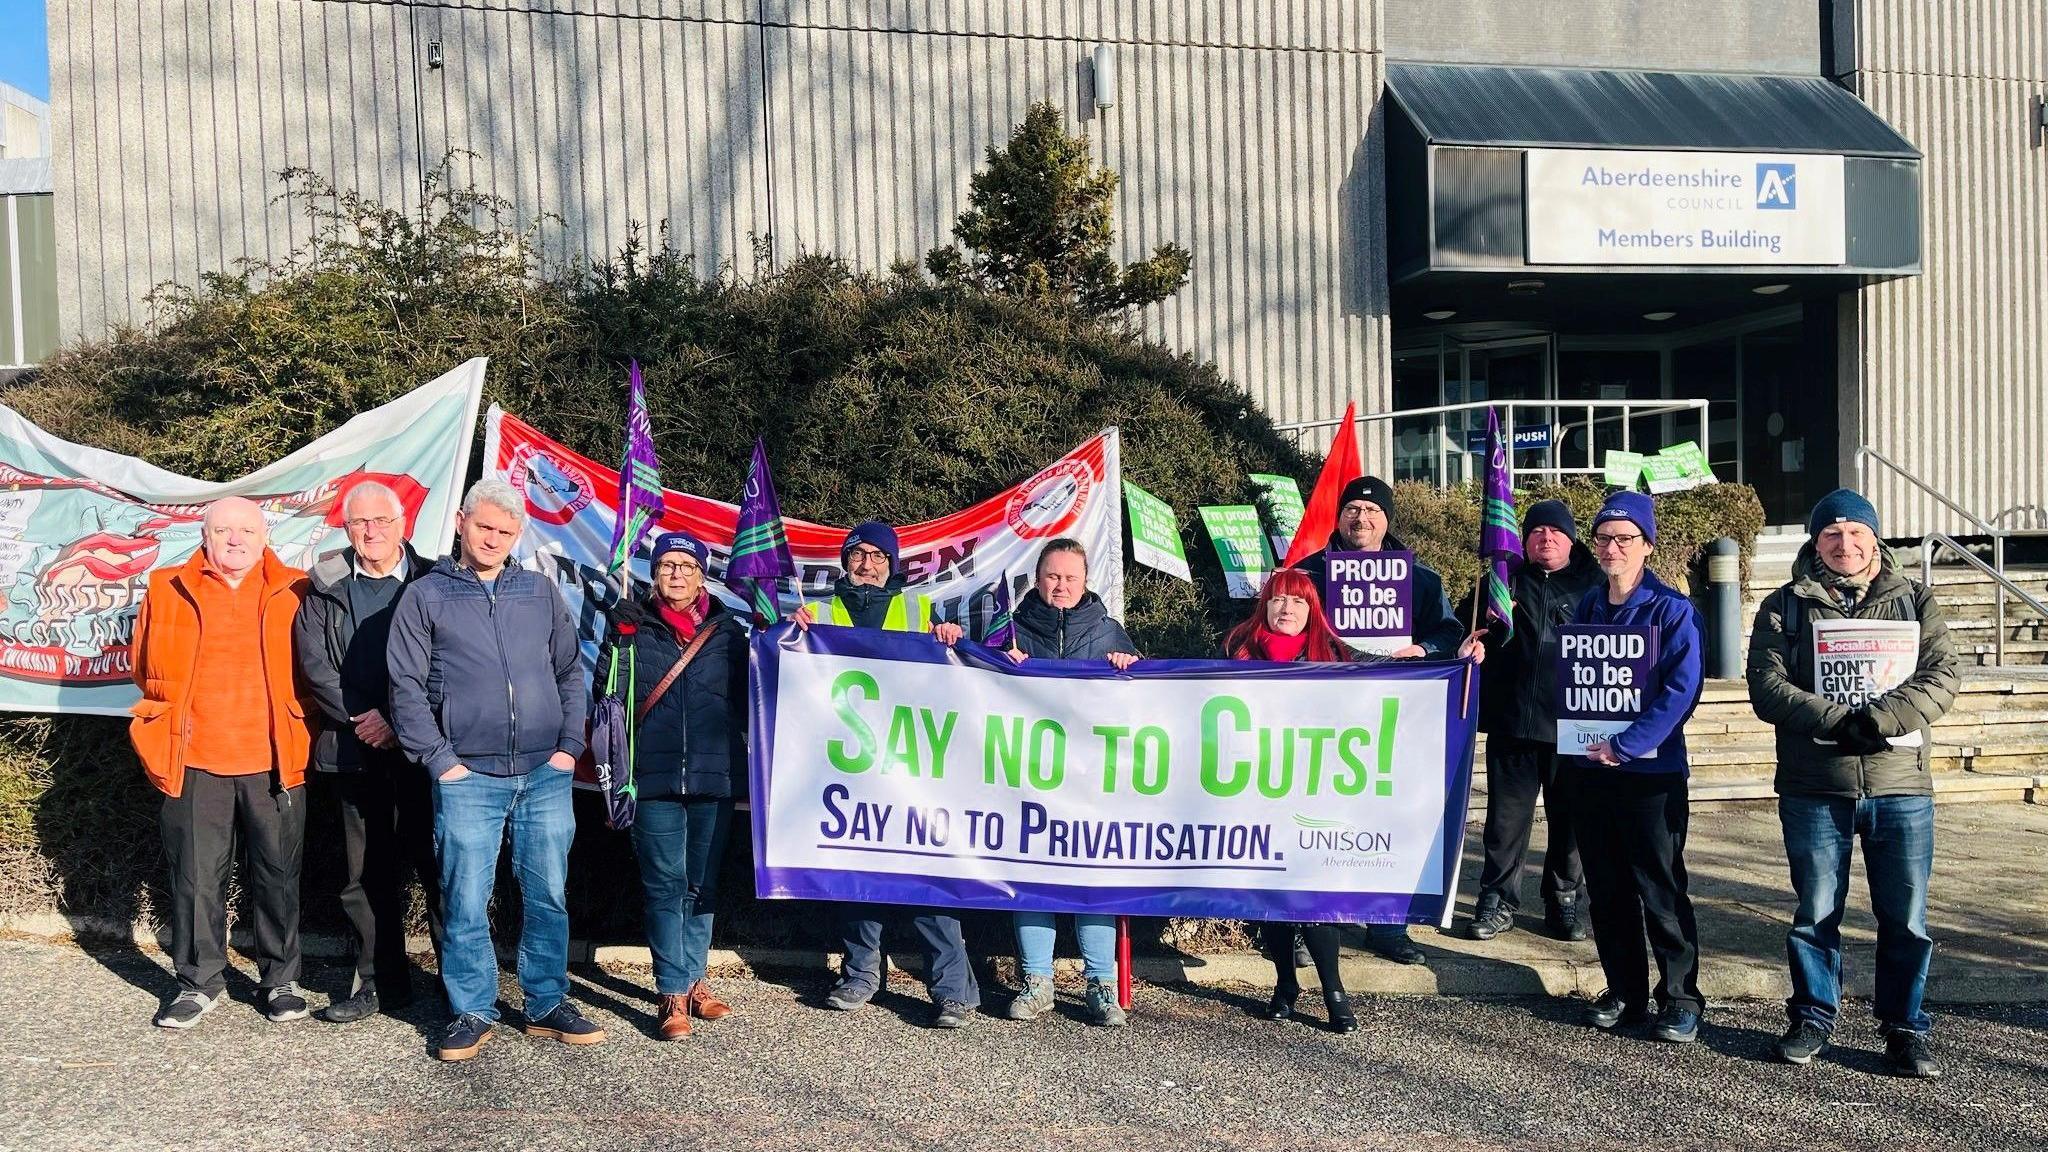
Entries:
{"x":842,"y":126}
{"x":1955,"y":361}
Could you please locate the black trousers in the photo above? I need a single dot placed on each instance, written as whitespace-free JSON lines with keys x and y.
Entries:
{"x":1517,"y":771}
{"x":387,"y":838}
{"x":1322,"y":942}
{"x":1632,"y":839}
{"x":202,"y":827}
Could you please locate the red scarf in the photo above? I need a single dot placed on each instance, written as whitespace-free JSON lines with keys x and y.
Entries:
{"x":685,"y":623}
{"x":1286,"y":648}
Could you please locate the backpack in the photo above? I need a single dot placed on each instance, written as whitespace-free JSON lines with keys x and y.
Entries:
{"x":611,"y":739}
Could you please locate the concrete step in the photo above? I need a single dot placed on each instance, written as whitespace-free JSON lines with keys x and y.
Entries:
{"x":1714,"y":789}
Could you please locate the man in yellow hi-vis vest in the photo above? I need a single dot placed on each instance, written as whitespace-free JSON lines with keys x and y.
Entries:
{"x":871,"y":595}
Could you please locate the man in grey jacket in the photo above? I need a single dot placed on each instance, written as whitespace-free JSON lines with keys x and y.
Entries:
{"x":487,"y":692}
{"x":1852,"y":764}
{"x":387,"y":812}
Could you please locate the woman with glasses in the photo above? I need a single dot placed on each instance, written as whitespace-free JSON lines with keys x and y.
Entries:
{"x":1628,"y":791}
{"x":689,"y":763}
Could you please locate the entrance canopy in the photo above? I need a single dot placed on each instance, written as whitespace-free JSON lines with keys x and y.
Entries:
{"x":1730,"y":182}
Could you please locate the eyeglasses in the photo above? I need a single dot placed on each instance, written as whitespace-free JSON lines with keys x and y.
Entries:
{"x":1617,"y":540}
{"x":359,"y":523}
{"x":867,"y":556}
{"x":676,"y":568}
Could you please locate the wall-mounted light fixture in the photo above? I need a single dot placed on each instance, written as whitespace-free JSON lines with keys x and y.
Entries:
{"x":434,"y":60}
{"x":1105,"y":76}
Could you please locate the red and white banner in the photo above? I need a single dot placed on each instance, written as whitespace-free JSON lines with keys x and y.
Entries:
{"x":955,"y":559}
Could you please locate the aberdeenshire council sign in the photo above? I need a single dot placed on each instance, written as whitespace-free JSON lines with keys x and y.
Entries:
{"x":1624,"y":207}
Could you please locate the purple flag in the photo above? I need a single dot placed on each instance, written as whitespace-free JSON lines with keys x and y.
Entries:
{"x":640,"y":500}
{"x":1002,"y":626}
{"x":760,"y":547}
{"x":1500,"y":537}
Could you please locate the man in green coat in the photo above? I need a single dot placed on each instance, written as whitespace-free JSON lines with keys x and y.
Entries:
{"x":1852,"y":662}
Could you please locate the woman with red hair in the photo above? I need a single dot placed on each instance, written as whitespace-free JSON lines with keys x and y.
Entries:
{"x":1287,"y":624}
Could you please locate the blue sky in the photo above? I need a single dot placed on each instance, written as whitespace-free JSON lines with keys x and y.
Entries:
{"x":25,"y":46}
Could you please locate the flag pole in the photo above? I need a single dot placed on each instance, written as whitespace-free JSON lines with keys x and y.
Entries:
{"x":1123,"y":962}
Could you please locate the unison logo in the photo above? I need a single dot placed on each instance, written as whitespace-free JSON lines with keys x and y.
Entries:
{"x":1774,"y":186}
{"x":1337,"y":836}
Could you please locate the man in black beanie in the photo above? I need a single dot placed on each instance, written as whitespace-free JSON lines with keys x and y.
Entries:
{"x":1518,"y":713}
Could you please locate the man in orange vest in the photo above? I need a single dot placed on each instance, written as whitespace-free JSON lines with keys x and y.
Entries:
{"x":221,"y":731}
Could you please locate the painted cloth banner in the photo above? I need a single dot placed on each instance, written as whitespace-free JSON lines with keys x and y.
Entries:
{"x":1155,"y":533}
{"x":956,"y":559}
{"x":890,"y":768}
{"x":1369,"y":598}
{"x":1605,"y":674}
{"x":1240,"y":545}
{"x":81,"y":529}
{"x":1857,"y":661}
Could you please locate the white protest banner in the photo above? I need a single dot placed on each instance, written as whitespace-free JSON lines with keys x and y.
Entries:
{"x":888,"y":767}
{"x":81,"y":529}
{"x":1856,"y":661}
{"x":1605,"y":674}
{"x":1155,"y":533}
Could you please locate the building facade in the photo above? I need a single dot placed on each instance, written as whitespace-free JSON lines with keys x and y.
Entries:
{"x":1299,"y":149}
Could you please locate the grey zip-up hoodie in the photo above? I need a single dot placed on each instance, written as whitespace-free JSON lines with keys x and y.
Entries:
{"x":488,"y":677}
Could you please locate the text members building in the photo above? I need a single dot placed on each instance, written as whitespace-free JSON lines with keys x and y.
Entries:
{"x":1564,"y":234}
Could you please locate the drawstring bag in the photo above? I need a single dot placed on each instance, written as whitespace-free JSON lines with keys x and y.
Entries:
{"x":612,"y":732}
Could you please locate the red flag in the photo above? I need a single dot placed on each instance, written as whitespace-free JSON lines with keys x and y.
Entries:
{"x":1340,"y":467}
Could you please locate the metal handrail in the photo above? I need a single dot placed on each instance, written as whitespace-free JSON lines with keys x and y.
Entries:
{"x":1867,"y":452}
{"x":1597,"y":412}
{"x":1656,"y":408}
{"x":2001,"y":581}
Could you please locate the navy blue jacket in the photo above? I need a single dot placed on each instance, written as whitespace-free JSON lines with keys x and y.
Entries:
{"x":491,"y":678}
{"x":693,"y":743}
{"x":1681,"y":671}
{"x":1084,"y":632}
{"x":1436,"y":629}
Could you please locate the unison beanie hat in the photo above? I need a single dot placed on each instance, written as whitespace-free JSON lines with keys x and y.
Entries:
{"x":1633,"y":507}
{"x":680,"y":542}
{"x":1839,"y":505}
{"x":1549,"y":514}
{"x":874,"y":534}
{"x":1371,"y":489}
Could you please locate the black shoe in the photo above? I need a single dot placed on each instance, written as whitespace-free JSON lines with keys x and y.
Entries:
{"x":1611,"y":1011}
{"x":1282,"y":1005}
{"x":1399,"y":949}
{"x":1677,"y":1025}
{"x":1492,"y":918}
{"x":348,"y":1011}
{"x":848,"y":995}
{"x":953,"y":1014}
{"x":1802,"y":1042}
{"x":283,"y":1003}
{"x":566,"y":1024}
{"x":1563,"y":921}
{"x":1910,"y":1054}
{"x":466,"y":1033}
{"x":1339,"y":1007}
{"x":184,"y":1012}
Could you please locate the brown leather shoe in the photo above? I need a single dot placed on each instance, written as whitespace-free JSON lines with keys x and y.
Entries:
{"x":675,"y":1018}
{"x":705,"y":1006}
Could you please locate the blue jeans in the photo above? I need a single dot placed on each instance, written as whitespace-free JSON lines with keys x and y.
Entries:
{"x":1898,"y":855}
{"x":680,"y":844}
{"x":1097,"y":935}
{"x":470,"y":818}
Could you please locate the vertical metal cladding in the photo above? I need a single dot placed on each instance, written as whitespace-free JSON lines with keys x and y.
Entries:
{"x":1955,"y":361}
{"x":1244,"y":130}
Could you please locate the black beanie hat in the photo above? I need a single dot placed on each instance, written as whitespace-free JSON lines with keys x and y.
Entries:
{"x":1371,"y":489}
{"x":1549,"y":514}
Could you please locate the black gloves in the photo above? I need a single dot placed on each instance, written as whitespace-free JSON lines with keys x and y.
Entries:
{"x":626,"y":617}
{"x":1857,"y":734}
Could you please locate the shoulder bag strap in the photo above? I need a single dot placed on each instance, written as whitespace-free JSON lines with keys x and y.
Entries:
{"x":681,"y":663}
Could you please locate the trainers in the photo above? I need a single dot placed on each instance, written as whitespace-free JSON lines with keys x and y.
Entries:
{"x":847,"y":995}
{"x":284,"y":1003}
{"x":347,"y":1011}
{"x":1034,"y":1001}
{"x":1802,"y":1042}
{"x":1103,"y":1008}
{"x":466,"y":1033}
{"x":1563,"y":920}
{"x":953,"y":1014}
{"x":1611,"y":1011}
{"x":186,"y":1010}
{"x":1911,"y":1054}
{"x":1493,"y":918}
{"x":1677,"y":1025}
{"x":566,"y":1024}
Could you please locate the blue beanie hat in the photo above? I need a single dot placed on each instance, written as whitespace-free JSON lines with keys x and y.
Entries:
{"x":1549,"y":514}
{"x":874,"y":534}
{"x":1633,"y":507}
{"x":680,"y":542}
{"x":1839,"y":505}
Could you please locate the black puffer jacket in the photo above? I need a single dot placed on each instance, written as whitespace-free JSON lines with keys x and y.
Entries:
{"x":1781,"y":685}
{"x":694,"y":741}
{"x":1084,"y":632}
{"x":1518,"y":682}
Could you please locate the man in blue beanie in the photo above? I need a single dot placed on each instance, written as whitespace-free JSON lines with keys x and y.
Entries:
{"x":871,"y":594}
{"x":1854,"y":768}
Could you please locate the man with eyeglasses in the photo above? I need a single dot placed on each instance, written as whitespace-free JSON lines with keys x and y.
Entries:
{"x":387,"y":811}
{"x":871,"y":594}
